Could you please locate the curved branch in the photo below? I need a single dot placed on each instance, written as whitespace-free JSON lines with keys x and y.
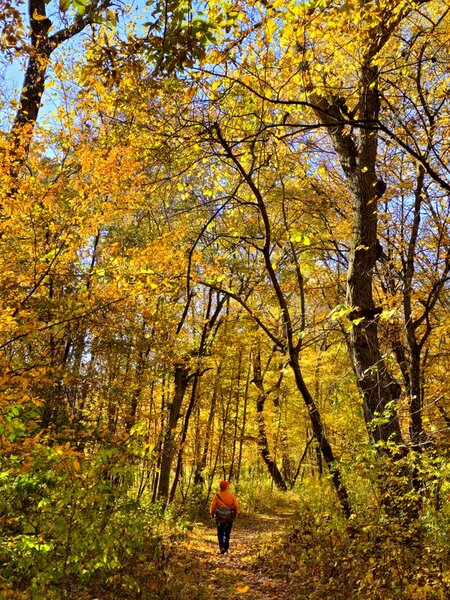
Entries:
{"x":80,"y":23}
{"x":278,"y":343}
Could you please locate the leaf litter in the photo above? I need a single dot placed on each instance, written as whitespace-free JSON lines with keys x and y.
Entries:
{"x":239,"y":573}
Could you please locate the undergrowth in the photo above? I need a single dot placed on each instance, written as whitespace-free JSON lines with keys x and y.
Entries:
{"x":78,"y":528}
{"x":322,"y":556}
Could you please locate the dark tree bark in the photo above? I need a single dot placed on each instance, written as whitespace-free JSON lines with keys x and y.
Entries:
{"x":244,"y":424}
{"x":200,"y":467}
{"x":155,"y":482}
{"x":211,"y":319}
{"x":358,"y":160}
{"x":41,"y":48}
{"x":181,"y":378}
{"x":263,"y":443}
{"x":184,"y":431}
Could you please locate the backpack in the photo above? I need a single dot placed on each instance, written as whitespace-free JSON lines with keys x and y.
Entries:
{"x":224,"y":512}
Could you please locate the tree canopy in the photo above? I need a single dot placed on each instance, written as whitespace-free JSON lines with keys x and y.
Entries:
{"x":224,"y":253}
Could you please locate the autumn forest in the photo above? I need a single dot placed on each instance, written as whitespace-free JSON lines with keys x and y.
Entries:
{"x":225,"y":254}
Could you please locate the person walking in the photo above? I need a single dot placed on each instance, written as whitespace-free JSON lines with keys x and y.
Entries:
{"x":224,"y":509}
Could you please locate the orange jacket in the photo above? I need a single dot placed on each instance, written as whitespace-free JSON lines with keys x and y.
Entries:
{"x":227,"y":498}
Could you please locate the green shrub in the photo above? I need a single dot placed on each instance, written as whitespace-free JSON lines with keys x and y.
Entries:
{"x":72,"y":526}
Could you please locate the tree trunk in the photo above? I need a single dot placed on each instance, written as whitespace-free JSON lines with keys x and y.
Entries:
{"x":244,"y":424}
{"x":168,"y":448}
{"x":263,"y":443}
{"x":34,"y":80}
{"x":155,"y":482}
{"x":200,"y":467}
{"x":41,"y":48}
{"x":193,"y":398}
{"x":236,"y":417}
{"x":358,"y":159}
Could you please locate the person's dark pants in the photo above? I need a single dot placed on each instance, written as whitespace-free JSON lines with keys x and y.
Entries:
{"x":223,"y":534}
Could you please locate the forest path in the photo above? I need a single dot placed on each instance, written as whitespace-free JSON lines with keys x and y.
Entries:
{"x":236,"y":574}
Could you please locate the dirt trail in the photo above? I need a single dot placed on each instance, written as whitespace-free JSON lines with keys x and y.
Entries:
{"x":235,"y":575}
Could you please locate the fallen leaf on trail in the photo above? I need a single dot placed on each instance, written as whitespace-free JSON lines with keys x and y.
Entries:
{"x":242,"y":589}
{"x":153,"y":585}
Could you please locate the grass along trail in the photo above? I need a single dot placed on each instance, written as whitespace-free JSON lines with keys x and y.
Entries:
{"x":236,"y":574}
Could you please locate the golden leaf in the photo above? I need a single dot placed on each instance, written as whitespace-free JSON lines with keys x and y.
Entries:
{"x":242,"y":589}
{"x":38,"y":17}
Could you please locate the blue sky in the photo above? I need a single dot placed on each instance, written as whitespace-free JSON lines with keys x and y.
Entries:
{"x":12,"y":74}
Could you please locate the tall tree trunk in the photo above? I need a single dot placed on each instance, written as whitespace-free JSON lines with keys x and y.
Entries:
{"x":200,"y":467}
{"x":160,"y":437}
{"x":414,"y":388}
{"x":236,"y":417}
{"x":41,"y":48}
{"x":244,"y":424}
{"x":34,"y":80}
{"x":357,"y":153}
{"x":263,"y":443}
{"x":184,"y":430}
{"x":168,"y":447}
{"x":358,"y":159}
